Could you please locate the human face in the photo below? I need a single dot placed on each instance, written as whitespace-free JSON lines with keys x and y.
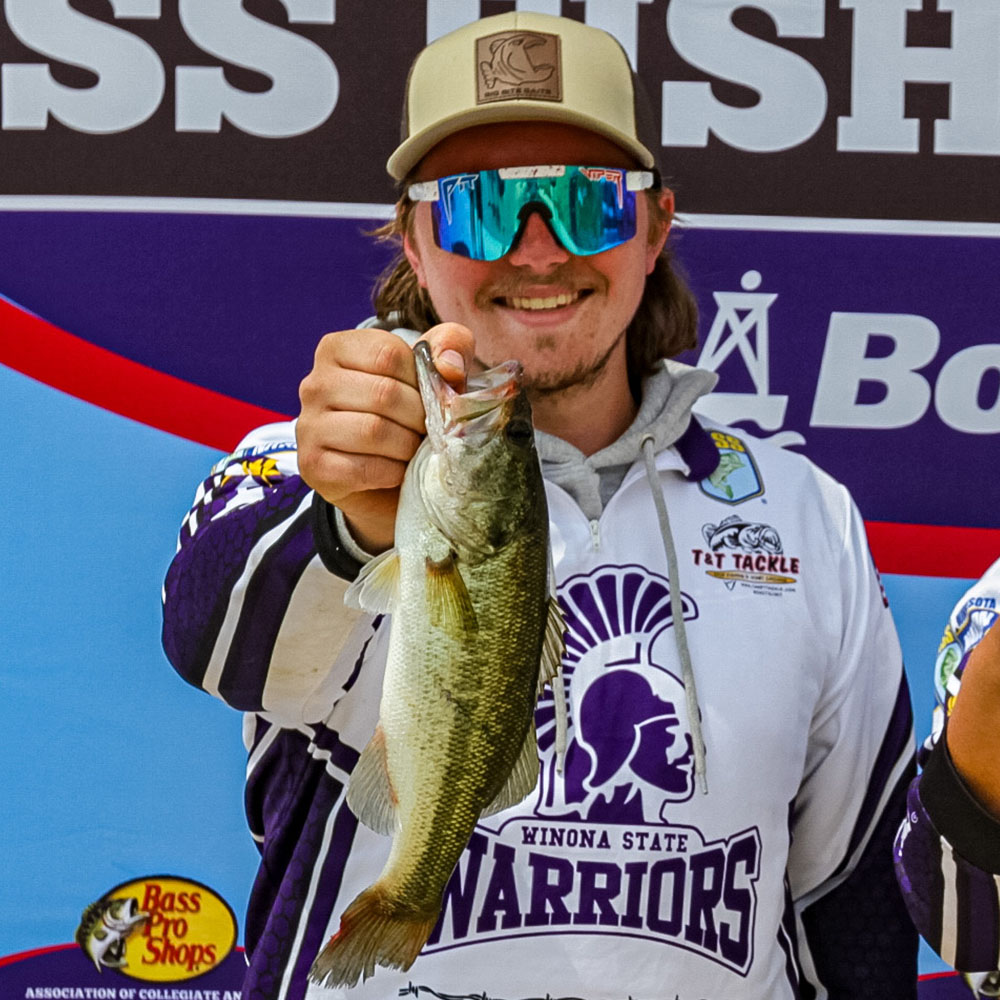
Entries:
{"x":562,"y":316}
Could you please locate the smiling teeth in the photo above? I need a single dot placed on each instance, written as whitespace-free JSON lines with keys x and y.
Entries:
{"x":552,"y":302}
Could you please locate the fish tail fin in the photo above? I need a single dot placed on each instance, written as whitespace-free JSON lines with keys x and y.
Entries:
{"x":372,"y":932}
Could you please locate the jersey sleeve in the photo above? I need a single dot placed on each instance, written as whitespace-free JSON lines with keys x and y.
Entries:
{"x":253,"y":607}
{"x":947,"y":850}
{"x":852,"y":796}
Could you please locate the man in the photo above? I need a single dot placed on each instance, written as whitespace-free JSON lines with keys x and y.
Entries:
{"x":948,"y":847}
{"x":740,"y":731}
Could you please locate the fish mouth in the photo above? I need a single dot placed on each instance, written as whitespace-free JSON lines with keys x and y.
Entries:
{"x":480,"y":410}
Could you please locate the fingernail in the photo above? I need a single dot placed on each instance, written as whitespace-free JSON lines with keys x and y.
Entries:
{"x":453,"y":359}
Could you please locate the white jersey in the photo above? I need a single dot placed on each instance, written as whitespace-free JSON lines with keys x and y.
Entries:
{"x":618,"y":877}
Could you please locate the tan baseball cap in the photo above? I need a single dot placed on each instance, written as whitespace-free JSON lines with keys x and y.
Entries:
{"x":523,"y":67}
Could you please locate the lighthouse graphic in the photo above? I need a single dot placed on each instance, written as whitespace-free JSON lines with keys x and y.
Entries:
{"x":741,"y":324}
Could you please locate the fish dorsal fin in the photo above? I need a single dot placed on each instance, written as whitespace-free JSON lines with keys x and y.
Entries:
{"x":553,"y":644}
{"x":370,"y":794}
{"x":448,"y":598}
{"x":377,"y":586}
{"x":523,"y":778}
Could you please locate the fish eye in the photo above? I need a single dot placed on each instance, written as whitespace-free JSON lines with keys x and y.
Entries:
{"x":519,"y":431}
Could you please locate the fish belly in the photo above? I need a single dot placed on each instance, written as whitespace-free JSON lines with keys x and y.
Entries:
{"x":456,"y":710}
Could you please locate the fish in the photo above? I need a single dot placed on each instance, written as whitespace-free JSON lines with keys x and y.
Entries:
{"x":104,"y":929}
{"x":511,"y":65}
{"x":475,"y":634}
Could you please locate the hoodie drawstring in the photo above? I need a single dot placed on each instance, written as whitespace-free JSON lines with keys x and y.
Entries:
{"x":677,"y":611}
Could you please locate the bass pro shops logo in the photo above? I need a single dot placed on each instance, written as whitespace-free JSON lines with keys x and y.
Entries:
{"x":159,"y":929}
{"x":600,"y":849}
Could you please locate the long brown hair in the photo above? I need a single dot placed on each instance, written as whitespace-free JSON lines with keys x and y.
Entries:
{"x":664,"y":325}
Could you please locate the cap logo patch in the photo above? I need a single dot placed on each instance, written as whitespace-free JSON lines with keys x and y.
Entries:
{"x":518,"y":64}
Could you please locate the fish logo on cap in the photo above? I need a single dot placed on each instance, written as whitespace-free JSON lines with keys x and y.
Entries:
{"x":518,"y":64}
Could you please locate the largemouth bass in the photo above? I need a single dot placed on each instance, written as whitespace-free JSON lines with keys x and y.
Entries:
{"x":475,"y":634}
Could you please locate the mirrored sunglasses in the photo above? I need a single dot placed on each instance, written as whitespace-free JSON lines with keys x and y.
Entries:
{"x":479,"y":215}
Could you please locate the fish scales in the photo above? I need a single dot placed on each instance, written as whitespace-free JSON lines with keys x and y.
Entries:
{"x":474,"y":634}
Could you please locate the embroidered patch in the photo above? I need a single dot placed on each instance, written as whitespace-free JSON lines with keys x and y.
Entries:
{"x":736,"y":478}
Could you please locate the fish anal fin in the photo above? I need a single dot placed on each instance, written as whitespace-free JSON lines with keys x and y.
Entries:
{"x":523,"y":778}
{"x":553,"y":644}
{"x":377,"y":586}
{"x":373,"y":931}
{"x":448,"y":598}
{"x":370,"y":793}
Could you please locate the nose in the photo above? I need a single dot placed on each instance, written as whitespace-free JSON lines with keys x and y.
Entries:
{"x":536,"y":248}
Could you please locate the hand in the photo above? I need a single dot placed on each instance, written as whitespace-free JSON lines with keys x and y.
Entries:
{"x":362,"y":419}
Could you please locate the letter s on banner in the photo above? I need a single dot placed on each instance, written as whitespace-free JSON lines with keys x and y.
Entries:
{"x":793,"y":99}
{"x":305,"y":83}
{"x":130,"y":76}
{"x":844,"y":367}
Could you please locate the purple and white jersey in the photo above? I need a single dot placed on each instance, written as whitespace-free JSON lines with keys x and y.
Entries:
{"x":617,"y":877}
{"x":948,"y":848}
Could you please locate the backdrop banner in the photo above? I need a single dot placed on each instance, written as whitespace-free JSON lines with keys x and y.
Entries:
{"x":187,"y":194}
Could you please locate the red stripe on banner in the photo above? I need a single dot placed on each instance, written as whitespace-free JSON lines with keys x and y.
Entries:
{"x":932,"y":549}
{"x":66,"y":362}
{"x":41,"y":350}
{"x":23,"y":956}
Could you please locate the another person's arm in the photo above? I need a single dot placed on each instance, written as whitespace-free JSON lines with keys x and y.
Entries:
{"x":948,"y":848}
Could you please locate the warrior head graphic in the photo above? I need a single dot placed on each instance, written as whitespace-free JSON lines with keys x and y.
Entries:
{"x":630,"y":751}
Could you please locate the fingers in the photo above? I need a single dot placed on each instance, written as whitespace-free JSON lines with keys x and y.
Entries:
{"x":453,"y":349}
{"x":362,"y":419}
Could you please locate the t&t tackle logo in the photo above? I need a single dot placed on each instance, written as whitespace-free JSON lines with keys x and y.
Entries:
{"x":158,"y":929}
{"x":602,"y":848}
{"x":741,"y":551}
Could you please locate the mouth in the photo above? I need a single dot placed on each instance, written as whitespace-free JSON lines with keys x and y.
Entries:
{"x":539,"y":303}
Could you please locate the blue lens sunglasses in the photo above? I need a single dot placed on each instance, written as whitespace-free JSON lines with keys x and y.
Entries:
{"x":479,"y":215}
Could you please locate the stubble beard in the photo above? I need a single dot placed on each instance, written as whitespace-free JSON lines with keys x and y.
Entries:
{"x":584,"y":373}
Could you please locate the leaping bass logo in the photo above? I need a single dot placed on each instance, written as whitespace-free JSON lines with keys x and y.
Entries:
{"x":630,"y":752}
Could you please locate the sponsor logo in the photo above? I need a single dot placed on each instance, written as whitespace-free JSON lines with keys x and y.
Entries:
{"x":736,"y":477}
{"x":516,"y":64}
{"x":603,"y":174}
{"x":600,"y":849}
{"x":160,"y":928}
{"x":743,"y":551}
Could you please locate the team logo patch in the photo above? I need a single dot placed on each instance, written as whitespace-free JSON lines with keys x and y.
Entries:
{"x":747,"y":552}
{"x":518,"y":64}
{"x":736,"y":478}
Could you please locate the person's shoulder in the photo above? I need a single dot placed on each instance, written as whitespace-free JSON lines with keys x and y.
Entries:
{"x":777,"y":453}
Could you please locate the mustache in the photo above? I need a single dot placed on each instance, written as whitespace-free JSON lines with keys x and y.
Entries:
{"x":571,"y":277}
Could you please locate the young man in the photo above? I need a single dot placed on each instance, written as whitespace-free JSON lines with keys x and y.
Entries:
{"x":741,"y":848}
{"x":948,"y":848}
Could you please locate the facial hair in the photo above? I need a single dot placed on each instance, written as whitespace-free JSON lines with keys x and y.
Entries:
{"x":567,"y":278}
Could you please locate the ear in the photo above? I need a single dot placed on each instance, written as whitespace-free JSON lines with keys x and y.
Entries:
{"x":413,"y":256}
{"x":660,"y":228}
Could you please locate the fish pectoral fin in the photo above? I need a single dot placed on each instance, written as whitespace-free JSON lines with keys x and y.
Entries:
{"x":448,"y":598}
{"x":377,"y":585}
{"x":523,"y":778}
{"x":553,"y":645}
{"x":370,"y":793}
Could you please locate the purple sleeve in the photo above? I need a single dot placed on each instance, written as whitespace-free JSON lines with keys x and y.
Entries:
{"x":947,"y":855}
{"x":243,"y":548}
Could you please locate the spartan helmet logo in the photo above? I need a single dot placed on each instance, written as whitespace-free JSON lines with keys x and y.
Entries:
{"x":630,"y":750}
